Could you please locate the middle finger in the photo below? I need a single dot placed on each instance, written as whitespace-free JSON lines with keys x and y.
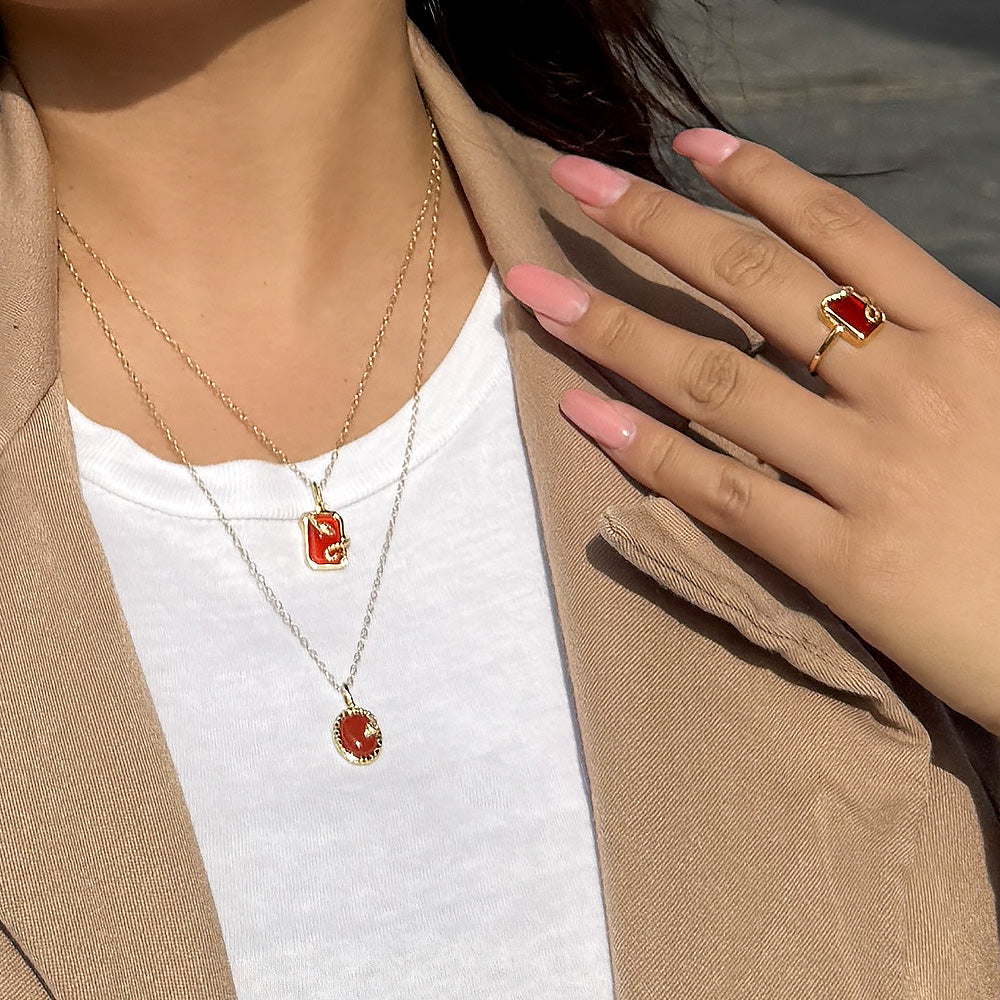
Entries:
{"x":707,"y":381}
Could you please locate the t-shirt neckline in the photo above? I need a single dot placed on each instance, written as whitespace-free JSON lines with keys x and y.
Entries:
{"x":263,"y":490}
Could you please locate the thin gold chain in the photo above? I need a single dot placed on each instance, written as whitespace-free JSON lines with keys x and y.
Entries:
{"x":224,"y":397}
{"x":258,"y":577}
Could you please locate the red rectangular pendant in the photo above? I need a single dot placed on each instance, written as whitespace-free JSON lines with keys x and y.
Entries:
{"x":324,"y":538}
{"x":856,"y":313}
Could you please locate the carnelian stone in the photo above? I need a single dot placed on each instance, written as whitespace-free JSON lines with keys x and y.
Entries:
{"x":851,"y":310}
{"x":358,"y":734}
{"x":323,"y":548}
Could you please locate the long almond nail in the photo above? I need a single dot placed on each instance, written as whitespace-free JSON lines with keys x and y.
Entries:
{"x":547,"y":292}
{"x":590,"y":181}
{"x":709,"y":146}
{"x":598,"y":418}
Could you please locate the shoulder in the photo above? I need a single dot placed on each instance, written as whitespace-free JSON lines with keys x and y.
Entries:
{"x":28,"y":350}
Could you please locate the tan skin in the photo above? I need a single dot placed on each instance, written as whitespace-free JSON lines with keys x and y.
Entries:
{"x":252,"y":170}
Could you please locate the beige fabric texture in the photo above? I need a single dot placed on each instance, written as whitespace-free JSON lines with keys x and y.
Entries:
{"x":779,"y":813}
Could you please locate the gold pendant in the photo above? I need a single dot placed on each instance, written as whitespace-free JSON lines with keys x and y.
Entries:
{"x":323,"y":536}
{"x":356,"y":733}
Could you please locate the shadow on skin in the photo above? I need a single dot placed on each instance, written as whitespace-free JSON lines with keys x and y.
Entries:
{"x":180,"y":40}
{"x":671,"y":305}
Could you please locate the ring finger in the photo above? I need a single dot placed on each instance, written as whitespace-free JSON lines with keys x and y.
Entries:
{"x":739,"y":263}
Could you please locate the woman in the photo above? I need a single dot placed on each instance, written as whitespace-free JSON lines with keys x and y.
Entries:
{"x":782,"y":804}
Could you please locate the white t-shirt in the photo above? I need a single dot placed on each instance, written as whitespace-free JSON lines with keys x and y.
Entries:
{"x":461,"y":863}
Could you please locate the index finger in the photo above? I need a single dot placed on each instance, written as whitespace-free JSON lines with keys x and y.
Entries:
{"x":864,"y":250}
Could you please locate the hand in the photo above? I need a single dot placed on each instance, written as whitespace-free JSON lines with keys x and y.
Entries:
{"x":893,"y":520}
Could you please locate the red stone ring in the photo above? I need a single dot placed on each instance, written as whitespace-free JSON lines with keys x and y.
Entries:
{"x":849,"y":315}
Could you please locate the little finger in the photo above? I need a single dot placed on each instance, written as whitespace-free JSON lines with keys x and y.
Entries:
{"x":790,"y":529}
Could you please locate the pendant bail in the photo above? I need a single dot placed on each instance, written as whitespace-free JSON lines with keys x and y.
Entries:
{"x":346,"y":692}
{"x":317,"y":496}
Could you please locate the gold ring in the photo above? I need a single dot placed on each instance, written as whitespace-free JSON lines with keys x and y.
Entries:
{"x":850,"y":316}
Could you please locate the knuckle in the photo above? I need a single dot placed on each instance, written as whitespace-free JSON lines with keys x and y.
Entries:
{"x":873,"y":549}
{"x":663,"y":458}
{"x":879,"y":563}
{"x":644,"y":214}
{"x":970,"y":330}
{"x":906,"y":482}
{"x":835,"y":549}
{"x":613,"y":333}
{"x":833,"y":212}
{"x":933,"y":406}
{"x":713,"y":377}
{"x":731,"y":496}
{"x":885,"y":561}
{"x":748,"y":260}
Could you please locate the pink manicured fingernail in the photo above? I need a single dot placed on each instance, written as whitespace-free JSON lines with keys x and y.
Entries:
{"x":560,"y":330}
{"x":590,"y":181}
{"x":706,"y":145}
{"x":547,"y":292}
{"x":602,"y":420}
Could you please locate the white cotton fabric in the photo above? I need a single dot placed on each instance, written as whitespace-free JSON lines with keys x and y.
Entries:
{"x":462,"y":862}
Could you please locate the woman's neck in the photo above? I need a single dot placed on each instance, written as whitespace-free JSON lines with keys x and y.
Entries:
{"x":269,"y":134}
{"x":252,"y":169}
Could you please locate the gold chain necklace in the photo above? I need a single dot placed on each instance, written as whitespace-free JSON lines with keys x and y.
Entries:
{"x":356,"y":732}
{"x":325,"y":542}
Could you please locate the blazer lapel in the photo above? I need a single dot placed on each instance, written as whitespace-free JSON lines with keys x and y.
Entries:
{"x":101,"y":882}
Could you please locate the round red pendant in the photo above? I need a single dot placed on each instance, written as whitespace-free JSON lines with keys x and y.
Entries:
{"x":357,"y":736}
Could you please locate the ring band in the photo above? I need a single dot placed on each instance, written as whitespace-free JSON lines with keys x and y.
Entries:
{"x":850,"y":316}
{"x":818,"y":356}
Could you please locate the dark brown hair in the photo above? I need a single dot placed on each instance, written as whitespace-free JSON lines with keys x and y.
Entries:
{"x":595,"y":77}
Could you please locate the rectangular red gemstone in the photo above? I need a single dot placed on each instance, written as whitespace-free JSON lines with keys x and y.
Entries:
{"x":324,"y":532}
{"x":852,"y":310}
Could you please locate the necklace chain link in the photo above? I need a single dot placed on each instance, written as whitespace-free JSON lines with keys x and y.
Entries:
{"x":432,"y":203}
{"x":210,"y":382}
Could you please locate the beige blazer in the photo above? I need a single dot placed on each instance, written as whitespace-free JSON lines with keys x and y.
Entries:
{"x":777,"y":813}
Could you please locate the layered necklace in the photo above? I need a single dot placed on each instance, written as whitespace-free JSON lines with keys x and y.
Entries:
{"x":356,"y":732}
